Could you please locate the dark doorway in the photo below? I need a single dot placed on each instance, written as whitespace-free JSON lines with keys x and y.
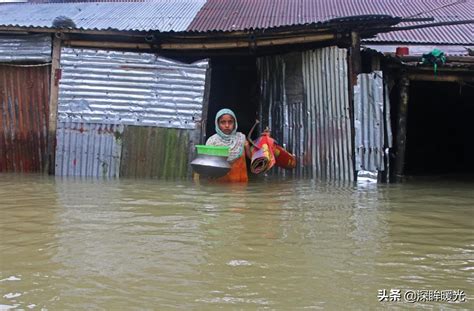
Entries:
{"x":234,"y":85}
{"x":440,"y":129}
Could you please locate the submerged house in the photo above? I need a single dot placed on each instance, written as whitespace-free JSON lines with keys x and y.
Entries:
{"x":126,"y":89}
{"x":432,"y":97}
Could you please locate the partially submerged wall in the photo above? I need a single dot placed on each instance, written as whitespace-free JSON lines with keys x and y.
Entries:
{"x":373,"y":131}
{"x":24,"y":102}
{"x":316,"y":126}
{"x":127,"y":114}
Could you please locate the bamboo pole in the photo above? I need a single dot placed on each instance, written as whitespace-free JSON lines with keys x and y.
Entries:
{"x":246,"y":43}
{"x":229,"y":44}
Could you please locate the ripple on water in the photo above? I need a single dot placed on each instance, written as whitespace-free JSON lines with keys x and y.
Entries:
{"x":270,"y":244}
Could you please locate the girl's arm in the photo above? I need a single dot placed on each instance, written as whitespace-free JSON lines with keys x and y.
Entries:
{"x":247,"y":150}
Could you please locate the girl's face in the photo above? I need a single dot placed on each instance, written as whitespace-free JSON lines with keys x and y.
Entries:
{"x":226,"y":123}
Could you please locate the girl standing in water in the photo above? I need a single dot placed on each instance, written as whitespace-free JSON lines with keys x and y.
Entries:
{"x":227,"y":135}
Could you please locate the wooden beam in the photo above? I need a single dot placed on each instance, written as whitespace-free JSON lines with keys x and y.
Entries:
{"x":205,"y":46}
{"x":354,"y":68}
{"x":246,"y":43}
{"x":440,"y":77}
{"x":303,"y":39}
{"x":402,"y":128}
{"x":20,"y":29}
{"x":106,"y":44}
{"x":449,"y":59}
{"x":53,"y":104}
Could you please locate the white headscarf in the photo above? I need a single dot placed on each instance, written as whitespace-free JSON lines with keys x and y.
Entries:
{"x":235,"y":140}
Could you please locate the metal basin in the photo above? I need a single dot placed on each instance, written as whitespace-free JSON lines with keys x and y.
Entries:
{"x":210,"y":165}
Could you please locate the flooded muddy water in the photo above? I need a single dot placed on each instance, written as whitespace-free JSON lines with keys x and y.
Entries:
{"x":84,"y":244}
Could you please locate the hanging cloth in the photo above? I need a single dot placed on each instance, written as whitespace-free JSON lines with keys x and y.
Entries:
{"x":435,"y":58}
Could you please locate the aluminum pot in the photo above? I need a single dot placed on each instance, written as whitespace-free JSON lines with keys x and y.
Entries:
{"x":210,"y":165}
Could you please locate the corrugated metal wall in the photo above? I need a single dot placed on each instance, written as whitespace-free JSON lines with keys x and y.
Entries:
{"x":155,"y":152}
{"x":317,"y":127}
{"x":372,"y":122}
{"x":327,"y":95}
{"x":282,"y":109}
{"x":130,"y":88}
{"x":24,"y":111}
{"x":31,"y":48}
{"x":127,"y":114}
{"x":88,"y":149}
{"x":272,"y":98}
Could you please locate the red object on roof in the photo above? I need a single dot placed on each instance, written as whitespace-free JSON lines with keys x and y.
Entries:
{"x":402,"y":51}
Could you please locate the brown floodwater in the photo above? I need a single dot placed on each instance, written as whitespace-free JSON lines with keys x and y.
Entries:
{"x":85,"y":244}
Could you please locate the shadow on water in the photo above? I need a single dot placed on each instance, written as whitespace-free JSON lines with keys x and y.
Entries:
{"x":279,"y":244}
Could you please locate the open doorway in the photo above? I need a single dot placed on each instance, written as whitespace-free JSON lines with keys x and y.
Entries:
{"x":234,"y":85}
{"x":440,"y":129}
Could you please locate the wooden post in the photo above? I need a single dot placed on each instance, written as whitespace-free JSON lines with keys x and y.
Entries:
{"x":354,"y":68}
{"x":402,"y":128}
{"x":53,"y":104}
{"x":355,"y":56}
{"x":198,"y":135}
{"x":205,"y":104}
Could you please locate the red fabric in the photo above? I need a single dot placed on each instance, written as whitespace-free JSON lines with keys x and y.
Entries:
{"x":283,"y":158}
{"x":263,"y":158}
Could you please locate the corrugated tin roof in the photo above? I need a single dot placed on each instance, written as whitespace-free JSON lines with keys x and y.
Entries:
{"x":246,"y":14}
{"x":231,"y":15}
{"x":441,"y":11}
{"x":170,"y":15}
{"x":455,"y":34}
{"x":251,"y":14}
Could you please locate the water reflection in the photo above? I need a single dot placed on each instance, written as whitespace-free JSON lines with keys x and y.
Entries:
{"x":137,"y":244}
{"x":28,"y":231}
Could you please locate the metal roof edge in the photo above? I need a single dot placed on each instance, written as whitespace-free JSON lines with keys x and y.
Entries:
{"x":386,"y":42}
{"x":332,"y":23}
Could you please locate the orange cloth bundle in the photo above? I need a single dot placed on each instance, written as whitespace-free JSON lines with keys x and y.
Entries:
{"x":238,"y":171}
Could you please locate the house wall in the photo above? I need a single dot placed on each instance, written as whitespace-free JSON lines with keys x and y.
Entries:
{"x":88,"y":149}
{"x":316,"y":126}
{"x":155,"y":152}
{"x":373,"y":133}
{"x":127,"y":114}
{"x":30,"y":48}
{"x":24,"y":102}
